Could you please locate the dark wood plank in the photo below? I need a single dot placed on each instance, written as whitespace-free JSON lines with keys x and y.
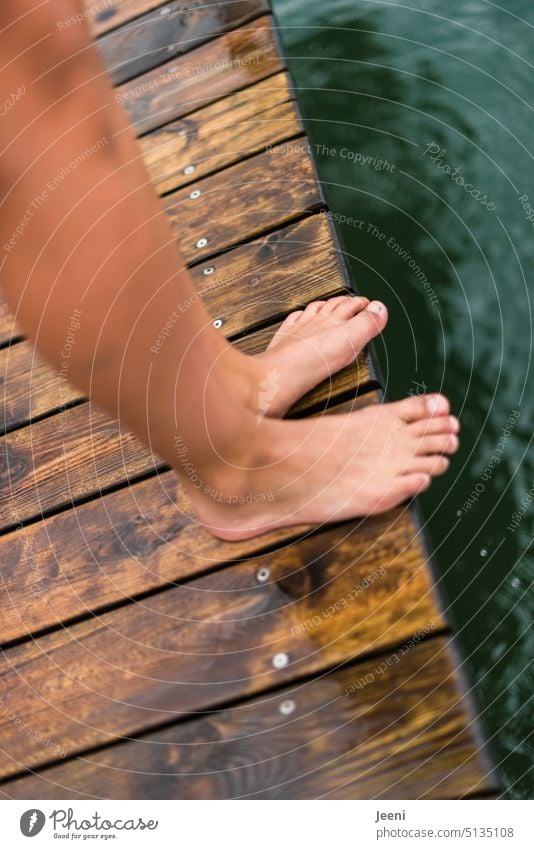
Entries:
{"x":105,"y":15}
{"x":264,"y":280}
{"x":231,"y":62}
{"x":113,"y":548}
{"x":31,"y":387}
{"x":73,"y":454}
{"x":404,"y":735}
{"x":214,"y":639}
{"x":170,"y":31}
{"x":242,"y":201}
{"x":221,"y":134}
{"x":8,"y":328}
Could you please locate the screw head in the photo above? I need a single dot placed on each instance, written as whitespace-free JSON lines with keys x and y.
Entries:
{"x":263,"y":574}
{"x":189,"y":169}
{"x":165,"y":11}
{"x":280,"y":660}
{"x":218,"y":323}
{"x":286,"y":707}
{"x":209,"y":270}
{"x":254,"y":281}
{"x":195,"y":194}
{"x":202,"y":243}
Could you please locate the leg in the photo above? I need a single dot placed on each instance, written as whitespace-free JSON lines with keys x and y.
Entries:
{"x":90,"y":240}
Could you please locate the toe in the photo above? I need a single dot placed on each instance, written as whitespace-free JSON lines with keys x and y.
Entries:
{"x":412,"y":484}
{"x":314,"y":308}
{"x":281,"y":334}
{"x":437,"y":424}
{"x":443,"y":443}
{"x":419,"y":407}
{"x":366,"y":325}
{"x":433,"y":465}
{"x":346,"y":306}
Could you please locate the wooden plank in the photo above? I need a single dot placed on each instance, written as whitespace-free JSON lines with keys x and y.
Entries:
{"x":8,"y":328}
{"x":105,"y":15}
{"x":404,"y":735}
{"x":104,"y":551}
{"x":231,"y":62}
{"x":362,"y":585}
{"x":73,"y":454}
{"x":171,"y":31}
{"x":221,"y":134}
{"x":242,"y":201}
{"x":31,"y":387}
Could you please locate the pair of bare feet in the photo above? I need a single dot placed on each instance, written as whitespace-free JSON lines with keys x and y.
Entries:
{"x":322,"y":469}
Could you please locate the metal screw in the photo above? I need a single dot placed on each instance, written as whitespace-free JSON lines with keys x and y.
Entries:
{"x":287,"y":707}
{"x":280,"y":660}
{"x":202,"y":243}
{"x":209,"y":270}
{"x":254,"y":281}
{"x":195,"y":194}
{"x":165,"y":11}
{"x":189,"y":169}
{"x":263,"y":574}
{"x":218,"y":323}
{"x":515,"y":583}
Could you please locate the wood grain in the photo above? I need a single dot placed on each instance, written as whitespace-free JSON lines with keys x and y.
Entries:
{"x":221,"y":134}
{"x":404,"y":735}
{"x":8,"y":328}
{"x":242,"y":201}
{"x":199,"y":644}
{"x":113,"y":548}
{"x":231,"y":62}
{"x":105,"y":15}
{"x":170,"y":31}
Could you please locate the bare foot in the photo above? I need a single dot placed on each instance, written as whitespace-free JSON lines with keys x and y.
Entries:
{"x":326,"y":469}
{"x":309,"y":347}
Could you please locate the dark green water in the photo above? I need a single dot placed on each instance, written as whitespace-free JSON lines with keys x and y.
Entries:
{"x":401,"y":102}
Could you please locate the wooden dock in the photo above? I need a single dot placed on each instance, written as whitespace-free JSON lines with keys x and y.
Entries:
{"x":143,"y":658}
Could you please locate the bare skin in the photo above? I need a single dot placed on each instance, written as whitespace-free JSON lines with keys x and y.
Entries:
{"x":98,"y":242}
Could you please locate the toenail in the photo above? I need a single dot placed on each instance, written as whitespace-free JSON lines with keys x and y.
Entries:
{"x":455,"y":424}
{"x":375,"y":306}
{"x":454,"y":442}
{"x":436,"y":404}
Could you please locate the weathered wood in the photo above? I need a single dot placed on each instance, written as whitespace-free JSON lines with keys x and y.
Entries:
{"x":8,"y":328}
{"x":170,"y":31}
{"x":358,"y":588}
{"x":114,"y":548}
{"x":31,"y":387}
{"x":105,"y":15}
{"x":73,"y":454}
{"x":221,"y":134}
{"x":270,"y":277}
{"x":403,"y":735}
{"x":241,"y":202}
{"x":233,"y":61}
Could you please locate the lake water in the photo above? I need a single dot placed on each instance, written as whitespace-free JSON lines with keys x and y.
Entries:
{"x":421,"y":119}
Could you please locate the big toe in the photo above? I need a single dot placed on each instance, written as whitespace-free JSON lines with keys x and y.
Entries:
{"x":367,"y":324}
